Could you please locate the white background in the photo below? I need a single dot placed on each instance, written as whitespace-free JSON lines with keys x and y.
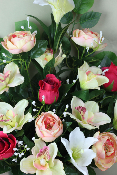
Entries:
{"x":12,"y":11}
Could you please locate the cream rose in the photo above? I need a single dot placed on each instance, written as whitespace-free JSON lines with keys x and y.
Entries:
{"x":105,"y":149}
{"x":87,"y":38}
{"x":48,"y":126}
{"x":19,"y":41}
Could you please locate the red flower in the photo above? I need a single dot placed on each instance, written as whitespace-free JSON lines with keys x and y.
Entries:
{"x":7,"y":143}
{"x":49,"y":89}
{"x":111,"y":74}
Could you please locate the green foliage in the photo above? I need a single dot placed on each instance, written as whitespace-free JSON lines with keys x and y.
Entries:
{"x":91,"y":171}
{"x":89,"y":19}
{"x":82,"y":6}
{"x":71,"y":170}
{"x":82,"y":94}
{"x":25,"y":24}
{"x":66,"y":45}
{"x":39,"y":49}
{"x":4,"y":167}
{"x":67,"y":18}
{"x":49,"y":67}
{"x":29,"y":143}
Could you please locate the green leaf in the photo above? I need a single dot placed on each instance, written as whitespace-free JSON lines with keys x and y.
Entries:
{"x":95,"y":93}
{"x":91,"y":171}
{"x":48,"y":67}
{"x":16,"y":170}
{"x":66,"y":125}
{"x":82,"y":94}
{"x":52,"y":31}
{"x":59,"y":35}
{"x":70,"y":169}
{"x":67,"y":18}
{"x":89,"y":19}
{"x":66,"y":45}
{"x":4,"y":167}
{"x":110,"y":110}
{"x":82,"y":6}
{"x":110,"y":87}
{"x":39,"y":49}
{"x":38,"y":67}
{"x":63,"y":90}
{"x":29,"y":143}
{"x":45,"y":28}
{"x":25,"y":24}
{"x":19,"y":133}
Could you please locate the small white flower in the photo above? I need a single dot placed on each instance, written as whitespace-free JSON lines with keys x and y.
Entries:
{"x":33,"y":138}
{"x":74,"y":81}
{"x":35,"y":32}
{"x":99,"y":66}
{"x":87,"y":49}
{"x":43,"y":97}
{"x":106,"y":70}
{"x":67,"y":106}
{"x":100,"y":35}
{"x":28,"y":23}
{"x":33,"y":103}
{"x":22,"y":153}
{"x":35,"y":110}
{"x":67,"y":81}
{"x":22,"y":27}
{"x":102,"y":39}
{"x":94,"y":39}
{"x":13,"y":160}
{"x":4,"y":54}
{"x":4,"y":61}
{"x":15,"y":149}
{"x":30,"y":120}
{"x":20,"y":142}
{"x":15,"y":154}
{"x":65,"y":94}
{"x":27,"y":149}
{"x":64,"y":113}
{"x":54,"y":110}
{"x":30,"y":27}
{"x":63,"y":120}
{"x":25,"y":146}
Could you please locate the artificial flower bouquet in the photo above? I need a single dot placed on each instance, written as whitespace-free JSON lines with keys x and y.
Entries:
{"x":50,"y":123}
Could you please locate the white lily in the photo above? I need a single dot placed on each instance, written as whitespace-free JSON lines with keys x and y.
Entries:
{"x":42,"y":161}
{"x":90,"y":77}
{"x":11,"y":77}
{"x":87,"y":114}
{"x":13,"y":118}
{"x":59,"y":7}
{"x":78,"y":149}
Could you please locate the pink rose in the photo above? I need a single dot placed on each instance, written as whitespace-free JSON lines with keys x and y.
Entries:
{"x":87,"y":38}
{"x":48,"y":126}
{"x":105,"y":149}
{"x":7,"y":143}
{"x":49,"y":89}
{"x":19,"y":41}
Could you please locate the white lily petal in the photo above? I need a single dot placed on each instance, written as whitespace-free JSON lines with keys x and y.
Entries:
{"x":4,"y":107}
{"x":92,"y":106}
{"x":39,"y":144}
{"x":41,"y":2}
{"x":66,"y":143}
{"x":18,"y":79}
{"x":76,"y":138}
{"x":86,"y":157}
{"x":100,"y":119}
{"x":52,"y":152}
{"x":115,"y":110}
{"x":26,"y":165}
{"x":82,"y":76}
{"x":92,"y":84}
{"x":89,"y":141}
{"x":85,"y":66}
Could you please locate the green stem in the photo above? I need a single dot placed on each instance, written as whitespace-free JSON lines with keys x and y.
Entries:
{"x":83,"y":52}
{"x":29,"y":79}
{"x":39,"y":111}
{"x":74,"y":23}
